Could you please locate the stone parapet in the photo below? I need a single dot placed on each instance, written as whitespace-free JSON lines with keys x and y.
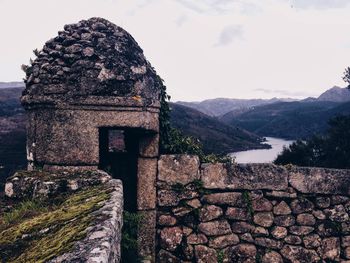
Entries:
{"x":68,"y":217}
{"x":224,"y":176}
{"x":244,"y":177}
{"x":251,"y":213}
{"x":178,"y":168}
{"x":320,"y":180}
{"x":103,"y":237}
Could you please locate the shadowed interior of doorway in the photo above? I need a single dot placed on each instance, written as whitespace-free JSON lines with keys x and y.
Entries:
{"x":118,"y":156}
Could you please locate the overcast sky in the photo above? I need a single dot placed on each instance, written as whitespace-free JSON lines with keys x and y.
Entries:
{"x":203,"y":48}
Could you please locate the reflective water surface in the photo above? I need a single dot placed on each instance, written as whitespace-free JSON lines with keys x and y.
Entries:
{"x":262,"y":155}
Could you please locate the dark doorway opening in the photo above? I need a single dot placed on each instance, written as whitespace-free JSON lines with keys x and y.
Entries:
{"x":119,"y":150}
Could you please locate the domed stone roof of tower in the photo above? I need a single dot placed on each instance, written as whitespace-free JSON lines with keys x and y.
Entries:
{"x":93,"y":57}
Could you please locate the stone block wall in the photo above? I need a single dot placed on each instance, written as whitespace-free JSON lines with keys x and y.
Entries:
{"x":251,"y":213}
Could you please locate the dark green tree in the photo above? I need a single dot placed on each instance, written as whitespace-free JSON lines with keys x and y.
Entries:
{"x":330,"y":150}
{"x":337,"y":143}
{"x":346,"y":76}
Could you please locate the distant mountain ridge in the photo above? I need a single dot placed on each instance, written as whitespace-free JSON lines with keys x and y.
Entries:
{"x":220,"y":106}
{"x":335,"y":94}
{"x":289,"y":120}
{"x":282,"y":118}
{"x":12,"y":84}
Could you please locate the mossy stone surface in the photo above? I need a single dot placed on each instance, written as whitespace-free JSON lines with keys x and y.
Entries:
{"x":52,"y":232}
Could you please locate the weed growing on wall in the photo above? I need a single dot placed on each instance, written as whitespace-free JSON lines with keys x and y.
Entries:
{"x":247,"y":199}
{"x":220,"y":256}
{"x":129,"y":244}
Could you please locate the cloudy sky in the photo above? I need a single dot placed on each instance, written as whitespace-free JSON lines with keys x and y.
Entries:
{"x":203,"y":48}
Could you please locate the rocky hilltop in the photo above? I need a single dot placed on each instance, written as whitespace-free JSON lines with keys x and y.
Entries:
{"x":335,"y":94}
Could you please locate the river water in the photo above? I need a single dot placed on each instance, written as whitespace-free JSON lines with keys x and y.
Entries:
{"x":262,"y":155}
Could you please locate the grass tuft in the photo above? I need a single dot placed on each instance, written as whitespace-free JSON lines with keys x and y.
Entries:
{"x":25,"y":209}
{"x":37,"y":232}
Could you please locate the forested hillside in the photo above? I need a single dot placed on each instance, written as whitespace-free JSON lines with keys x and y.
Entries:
{"x":290,"y":120}
{"x":215,"y":136}
{"x":12,"y":132}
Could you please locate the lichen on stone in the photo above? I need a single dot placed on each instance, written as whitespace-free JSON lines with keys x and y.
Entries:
{"x":52,"y":232}
{"x":43,"y":184}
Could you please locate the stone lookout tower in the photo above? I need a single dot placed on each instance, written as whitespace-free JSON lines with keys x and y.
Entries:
{"x":91,"y":78}
{"x":92,"y":100}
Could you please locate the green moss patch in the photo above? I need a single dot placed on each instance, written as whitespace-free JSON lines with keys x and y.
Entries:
{"x":25,"y":209}
{"x":37,"y":235}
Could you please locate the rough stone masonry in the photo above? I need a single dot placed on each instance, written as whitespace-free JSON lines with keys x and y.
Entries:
{"x":251,"y":213}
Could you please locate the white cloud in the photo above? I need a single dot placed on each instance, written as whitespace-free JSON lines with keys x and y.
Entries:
{"x":181,"y":20}
{"x":319,"y":4}
{"x":221,"y":6}
{"x":229,"y":34}
{"x":284,"y":49}
{"x":285,"y":93}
